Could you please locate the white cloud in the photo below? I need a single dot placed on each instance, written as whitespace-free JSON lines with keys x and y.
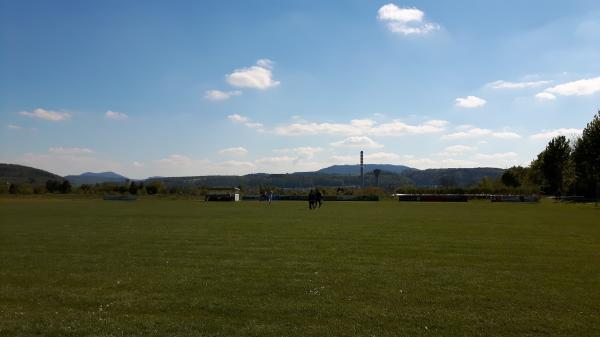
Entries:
{"x":503,"y":155}
{"x":116,"y":115}
{"x":359,"y":127}
{"x":455,"y":150}
{"x":46,"y":114}
{"x":14,"y":127}
{"x":470,"y":102}
{"x":437,"y":123}
{"x":505,"y":135}
{"x":259,"y":76}
{"x":479,"y":132}
{"x":234,"y":151}
{"x":549,"y":134}
{"x":138,"y":164}
{"x":181,"y":165}
{"x":424,"y":163}
{"x":517,"y":85}
{"x":70,"y":150}
{"x":301,"y":151}
{"x":307,"y":151}
{"x":246,"y":122}
{"x":545,"y":96}
{"x":218,"y":95}
{"x":582,"y":87}
{"x":357,"y":142}
{"x":238,"y":118}
{"x":406,"y":21}
{"x":265,"y":63}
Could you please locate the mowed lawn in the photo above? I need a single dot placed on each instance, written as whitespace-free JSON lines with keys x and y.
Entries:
{"x":189,"y":268}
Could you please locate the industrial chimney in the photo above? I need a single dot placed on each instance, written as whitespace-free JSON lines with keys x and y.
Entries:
{"x":362,"y":171}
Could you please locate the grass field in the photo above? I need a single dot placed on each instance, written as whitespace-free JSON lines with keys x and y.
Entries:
{"x":189,"y":268}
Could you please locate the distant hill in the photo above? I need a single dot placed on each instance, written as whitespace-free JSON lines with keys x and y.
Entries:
{"x":455,"y":177}
{"x":19,"y":174}
{"x":92,"y":178}
{"x":392,"y":176}
{"x":355,"y":169}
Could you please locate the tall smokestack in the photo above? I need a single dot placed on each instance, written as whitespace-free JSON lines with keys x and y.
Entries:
{"x":362,"y":172}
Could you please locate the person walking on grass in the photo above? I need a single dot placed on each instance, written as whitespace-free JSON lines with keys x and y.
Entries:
{"x":270,"y":196}
{"x":318,"y":198}
{"x":311,"y":199}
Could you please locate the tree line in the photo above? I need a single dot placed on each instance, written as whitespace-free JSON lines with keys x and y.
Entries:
{"x":564,"y":167}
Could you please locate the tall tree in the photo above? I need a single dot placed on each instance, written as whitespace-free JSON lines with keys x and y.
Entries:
{"x":554,"y":164}
{"x":586,"y":157}
{"x":510,"y":178}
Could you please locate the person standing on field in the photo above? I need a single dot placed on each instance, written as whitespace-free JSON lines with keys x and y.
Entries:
{"x":318,"y":198}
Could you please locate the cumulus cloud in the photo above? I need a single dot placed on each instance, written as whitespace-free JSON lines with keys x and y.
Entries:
{"x":70,"y":150}
{"x":584,"y":87}
{"x":245,"y":121}
{"x":545,"y":96}
{"x":456,"y":150}
{"x":234,"y":151}
{"x":470,"y":102}
{"x":50,"y":115}
{"x":502,"y":155}
{"x":424,"y":163}
{"x":258,"y":76}
{"x":406,"y":21}
{"x":549,"y":134}
{"x":182,"y":165}
{"x":357,"y":142}
{"x":301,"y":151}
{"x":307,"y":151}
{"x":517,"y":85}
{"x":119,"y":116}
{"x":479,"y":132}
{"x":358,"y":127}
{"x":218,"y":95}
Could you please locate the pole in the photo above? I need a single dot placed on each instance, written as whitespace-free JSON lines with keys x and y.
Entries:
{"x":362,"y":173}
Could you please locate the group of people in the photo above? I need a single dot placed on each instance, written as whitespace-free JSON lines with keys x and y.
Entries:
{"x":315,"y":199}
{"x":268,"y":196}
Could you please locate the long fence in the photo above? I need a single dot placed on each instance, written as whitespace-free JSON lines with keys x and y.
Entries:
{"x":283,"y":197}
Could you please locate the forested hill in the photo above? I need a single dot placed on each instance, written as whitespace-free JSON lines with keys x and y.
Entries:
{"x":355,"y":169}
{"x":19,"y":174}
{"x":391,"y":176}
{"x":459,"y":177}
{"x":91,"y":178}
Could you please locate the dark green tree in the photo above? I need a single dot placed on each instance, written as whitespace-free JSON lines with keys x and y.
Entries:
{"x":586,"y":158}
{"x":133,"y":188}
{"x":555,"y":164}
{"x":12,"y":189}
{"x":65,"y":187}
{"x":510,"y":178}
{"x":53,"y":186}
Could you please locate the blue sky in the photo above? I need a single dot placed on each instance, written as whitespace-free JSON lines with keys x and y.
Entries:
{"x":190,"y":88}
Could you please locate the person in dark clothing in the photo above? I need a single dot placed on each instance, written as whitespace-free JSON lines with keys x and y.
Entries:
{"x":318,"y":198}
{"x":311,"y":199}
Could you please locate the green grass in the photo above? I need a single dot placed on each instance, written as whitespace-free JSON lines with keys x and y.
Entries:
{"x":189,"y":268}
